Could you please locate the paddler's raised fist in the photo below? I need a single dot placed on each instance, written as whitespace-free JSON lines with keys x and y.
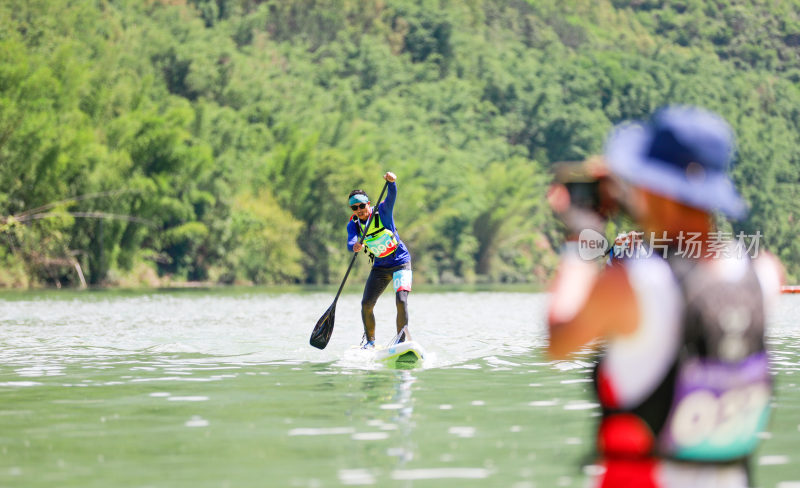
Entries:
{"x":389,"y":176}
{"x":357,"y":247}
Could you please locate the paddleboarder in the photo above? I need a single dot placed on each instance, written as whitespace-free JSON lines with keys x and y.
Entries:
{"x":682,"y":379}
{"x":391,"y":261}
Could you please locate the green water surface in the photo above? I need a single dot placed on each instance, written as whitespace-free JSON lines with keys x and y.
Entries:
{"x":203,"y":390}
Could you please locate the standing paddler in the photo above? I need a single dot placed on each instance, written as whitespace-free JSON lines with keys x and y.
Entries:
{"x":390,"y":258}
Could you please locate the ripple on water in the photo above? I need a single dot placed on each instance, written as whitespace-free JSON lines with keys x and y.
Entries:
{"x":581,"y":406}
{"x":369,"y":436}
{"x":322,"y":431}
{"x":543,"y":403}
{"x":467,"y":366}
{"x":494,"y":361}
{"x":465,"y":432}
{"x":41,"y":371}
{"x":196,"y":398}
{"x":380,"y":424}
{"x":571,"y":365}
{"x":20,"y":383}
{"x":575,"y":381}
{"x":356,"y":477}
{"x":773,"y":460}
{"x":439,"y":473}
{"x":147,"y":380}
{"x":196,"y":421}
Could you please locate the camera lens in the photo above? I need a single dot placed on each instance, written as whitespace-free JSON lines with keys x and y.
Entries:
{"x":584,"y":194}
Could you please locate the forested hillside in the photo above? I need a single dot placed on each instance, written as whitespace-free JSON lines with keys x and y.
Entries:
{"x":217,"y":140}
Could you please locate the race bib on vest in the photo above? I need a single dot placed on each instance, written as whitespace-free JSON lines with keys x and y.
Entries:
{"x":381,"y":244}
{"x":718,"y":409}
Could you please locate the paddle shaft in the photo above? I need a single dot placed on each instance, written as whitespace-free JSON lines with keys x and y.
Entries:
{"x":360,"y":241}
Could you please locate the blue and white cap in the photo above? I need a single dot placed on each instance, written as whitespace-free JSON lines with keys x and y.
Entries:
{"x":358,"y":198}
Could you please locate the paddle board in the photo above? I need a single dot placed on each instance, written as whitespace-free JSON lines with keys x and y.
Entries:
{"x":409,"y":354}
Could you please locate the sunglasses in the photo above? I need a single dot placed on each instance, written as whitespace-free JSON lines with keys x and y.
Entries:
{"x":358,"y":207}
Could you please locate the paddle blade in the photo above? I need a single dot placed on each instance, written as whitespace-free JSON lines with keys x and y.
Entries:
{"x":324,"y":328}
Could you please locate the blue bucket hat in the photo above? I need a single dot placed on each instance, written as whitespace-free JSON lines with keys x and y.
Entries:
{"x":682,"y":153}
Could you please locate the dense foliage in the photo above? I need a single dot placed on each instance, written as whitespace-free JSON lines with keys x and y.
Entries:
{"x":217,"y":139}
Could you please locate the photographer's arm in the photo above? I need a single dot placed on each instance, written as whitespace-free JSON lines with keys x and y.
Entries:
{"x":586,"y":303}
{"x":586,"y":306}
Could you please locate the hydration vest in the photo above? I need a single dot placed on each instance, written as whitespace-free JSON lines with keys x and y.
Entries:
{"x":379,"y":241}
{"x":714,"y":400}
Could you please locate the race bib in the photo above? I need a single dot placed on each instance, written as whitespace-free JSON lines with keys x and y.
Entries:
{"x":401,"y":280}
{"x":382,"y":244}
{"x":719,"y":409}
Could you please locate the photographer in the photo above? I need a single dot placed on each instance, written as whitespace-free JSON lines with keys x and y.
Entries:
{"x":682,"y":378}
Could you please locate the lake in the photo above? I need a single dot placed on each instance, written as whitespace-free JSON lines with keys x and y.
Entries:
{"x":219,"y":388}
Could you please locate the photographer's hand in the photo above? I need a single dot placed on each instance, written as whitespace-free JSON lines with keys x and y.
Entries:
{"x":558,"y":198}
{"x":576,"y":219}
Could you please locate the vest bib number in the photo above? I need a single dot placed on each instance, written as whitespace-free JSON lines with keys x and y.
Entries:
{"x":381,"y":244}
{"x":705,"y":426}
{"x":716,"y":423}
{"x":401,"y":280}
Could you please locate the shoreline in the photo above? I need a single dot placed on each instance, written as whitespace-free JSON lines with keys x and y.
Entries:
{"x":350,"y":288}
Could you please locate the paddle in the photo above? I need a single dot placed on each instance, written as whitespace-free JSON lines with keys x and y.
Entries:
{"x":401,"y":336}
{"x":324,"y":328}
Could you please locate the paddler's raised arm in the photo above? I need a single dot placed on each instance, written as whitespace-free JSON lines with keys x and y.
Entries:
{"x":391,"y":192}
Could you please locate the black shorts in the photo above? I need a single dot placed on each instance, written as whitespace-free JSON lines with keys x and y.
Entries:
{"x":379,"y":279}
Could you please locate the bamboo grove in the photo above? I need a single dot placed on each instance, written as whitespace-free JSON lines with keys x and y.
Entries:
{"x":153,"y":141}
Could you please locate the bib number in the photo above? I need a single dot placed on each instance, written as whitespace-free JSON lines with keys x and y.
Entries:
{"x":718,"y":411}
{"x":401,"y":280}
{"x":382,"y":244}
{"x":705,"y":426}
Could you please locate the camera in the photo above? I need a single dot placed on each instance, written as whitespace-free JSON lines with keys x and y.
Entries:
{"x":588,"y":184}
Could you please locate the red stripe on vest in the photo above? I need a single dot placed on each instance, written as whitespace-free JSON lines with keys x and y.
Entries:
{"x":624,"y":435}
{"x":605,"y":392}
{"x":629,"y":474}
